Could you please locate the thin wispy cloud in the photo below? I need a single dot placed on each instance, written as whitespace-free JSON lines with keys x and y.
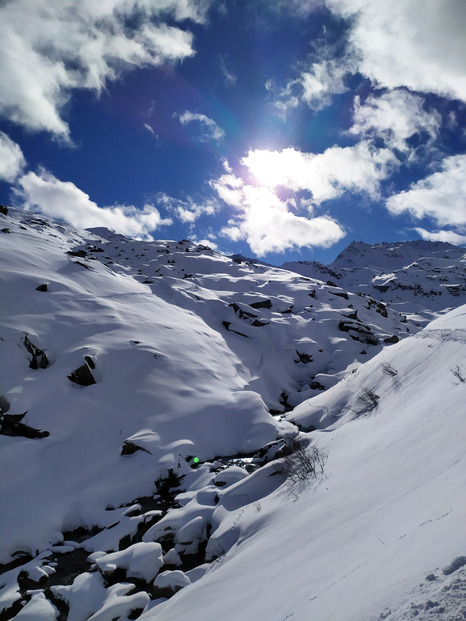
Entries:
{"x":208,"y":130}
{"x":228,"y":75}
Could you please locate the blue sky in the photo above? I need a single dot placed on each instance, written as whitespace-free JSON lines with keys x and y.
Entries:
{"x":278,"y":129}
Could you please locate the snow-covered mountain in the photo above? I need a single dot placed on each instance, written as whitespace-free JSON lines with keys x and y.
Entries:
{"x":413,"y":277}
{"x":148,"y":394}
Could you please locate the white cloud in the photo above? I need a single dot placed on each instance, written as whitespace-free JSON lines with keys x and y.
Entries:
{"x":50,"y":47}
{"x":314,"y":86}
{"x":415,"y":43}
{"x":63,"y":200}
{"x":440,"y":196}
{"x":230,"y":77}
{"x":12,"y":159}
{"x":187,"y":211}
{"x":395,"y":116}
{"x":327,"y":175}
{"x":450,"y":237}
{"x":209,"y":130}
{"x":266,"y":222}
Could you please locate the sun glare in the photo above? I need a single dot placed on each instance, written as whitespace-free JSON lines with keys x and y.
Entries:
{"x":266,"y":166}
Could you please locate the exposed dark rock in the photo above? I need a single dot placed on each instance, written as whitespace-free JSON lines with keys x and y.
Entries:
{"x":4,"y":404}
{"x":39,"y":357}
{"x":227,"y":325}
{"x":77,"y":253}
{"x":4,"y":210}
{"x":382,"y":309}
{"x":304,"y":358}
{"x":284,"y":402}
{"x":82,"y":376}
{"x":456,"y":564}
{"x":340,"y":294}
{"x":10,"y":425}
{"x":330,"y":283}
{"x":82,"y":265}
{"x":259,"y":324}
{"x":6,"y":230}
{"x":391,"y":339}
{"x":129,"y":448}
{"x":317,"y":386}
{"x":242,"y":314}
{"x":261,"y":304}
{"x":90,"y":361}
{"x":43,"y":287}
{"x":358,"y":332}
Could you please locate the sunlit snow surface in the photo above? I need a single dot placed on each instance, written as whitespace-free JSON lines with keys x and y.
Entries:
{"x":190,"y":351}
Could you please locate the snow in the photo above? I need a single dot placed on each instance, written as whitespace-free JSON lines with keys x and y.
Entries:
{"x":173,"y":580}
{"x":140,"y":560}
{"x":38,"y":607}
{"x":389,"y":511}
{"x":89,"y":599}
{"x":196,"y":355}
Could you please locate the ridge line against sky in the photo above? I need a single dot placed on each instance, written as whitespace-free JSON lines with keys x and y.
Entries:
{"x":278,"y":128}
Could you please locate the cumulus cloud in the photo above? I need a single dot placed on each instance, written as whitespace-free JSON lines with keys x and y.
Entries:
{"x":187,"y":211}
{"x":412,"y":43}
{"x":440,"y":196}
{"x":50,"y":47}
{"x":269,"y":224}
{"x":394,"y":116}
{"x":450,"y":237}
{"x":209,"y":130}
{"x":358,"y":168}
{"x":12,"y":159}
{"x":314,"y":86}
{"x":63,"y":200}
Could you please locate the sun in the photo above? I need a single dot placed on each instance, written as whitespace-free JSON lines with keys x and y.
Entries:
{"x":266,"y":167}
{"x":275,"y":168}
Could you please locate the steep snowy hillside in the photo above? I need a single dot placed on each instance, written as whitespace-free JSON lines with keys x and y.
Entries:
{"x":146,"y":398}
{"x":381,"y":534}
{"x":413,"y":277}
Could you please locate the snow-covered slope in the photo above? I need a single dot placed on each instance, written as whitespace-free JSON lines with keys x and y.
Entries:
{"x":413,"y":277}
{"x":122,"y":360}
{"x":376,"y":536}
